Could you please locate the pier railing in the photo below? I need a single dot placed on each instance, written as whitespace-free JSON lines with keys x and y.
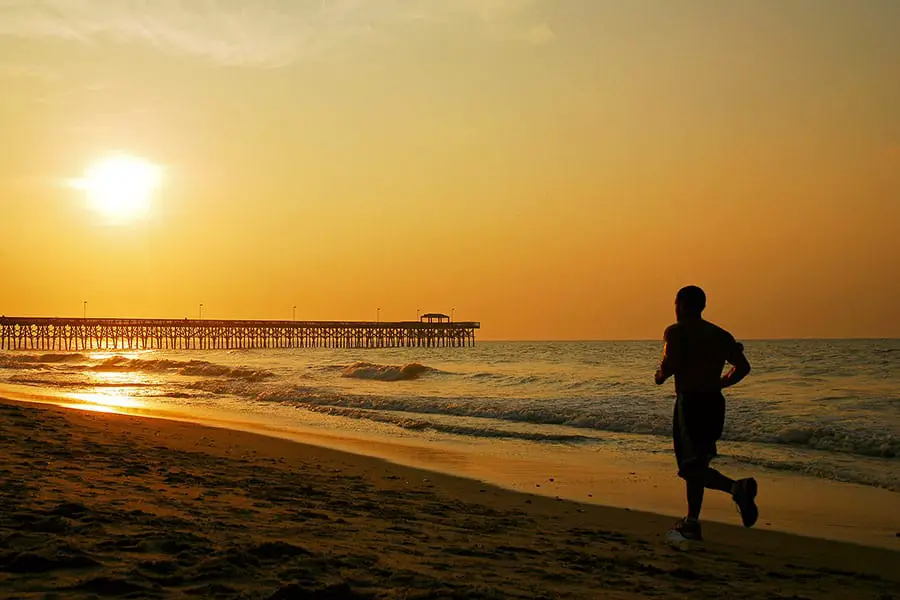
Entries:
{"x":61,"y":334}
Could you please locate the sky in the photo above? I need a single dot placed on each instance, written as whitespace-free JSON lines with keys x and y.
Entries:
{"x":555,"y":169}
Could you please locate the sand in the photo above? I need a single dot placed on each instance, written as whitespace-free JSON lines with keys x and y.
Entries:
{"x":108,"y":505}
{"x":607,"y":475}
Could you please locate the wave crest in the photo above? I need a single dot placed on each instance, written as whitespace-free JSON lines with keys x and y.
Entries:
{"x":38,"y":361}
{"x":372,"y":371}
{"x":192,"y":368}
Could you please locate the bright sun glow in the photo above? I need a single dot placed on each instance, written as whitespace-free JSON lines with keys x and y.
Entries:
{"x":120,"y":187}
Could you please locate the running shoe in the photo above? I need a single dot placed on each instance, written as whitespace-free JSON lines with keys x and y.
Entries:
{"x":744,"y":495}
{"x":689,"y":529}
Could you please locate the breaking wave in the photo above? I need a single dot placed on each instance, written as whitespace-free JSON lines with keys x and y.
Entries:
{"x":192,"y":368}
{"x":372,"y":371}
{"x":44,"y":358}
{"x":75,"y":362}
{"x":37,"y":361}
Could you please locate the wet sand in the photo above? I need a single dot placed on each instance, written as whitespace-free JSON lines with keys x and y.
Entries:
{"x":98,"y":504}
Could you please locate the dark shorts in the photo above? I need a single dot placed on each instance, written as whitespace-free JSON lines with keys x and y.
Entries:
{"x":696,"y":427}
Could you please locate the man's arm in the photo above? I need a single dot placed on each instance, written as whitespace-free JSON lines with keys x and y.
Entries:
{"x":667,"y":364}
{"x":665,"y":369}
{"x":740,"y":367}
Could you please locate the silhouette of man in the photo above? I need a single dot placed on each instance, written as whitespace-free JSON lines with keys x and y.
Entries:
{"x":695,"y":353}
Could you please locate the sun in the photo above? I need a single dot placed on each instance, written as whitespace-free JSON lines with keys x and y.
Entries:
{"x":120,"y":187}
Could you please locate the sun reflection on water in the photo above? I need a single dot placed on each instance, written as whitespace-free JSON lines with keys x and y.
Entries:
{"x":106,"y":402}
{"x":122,"y":378}
{"x":92,"y":408}
{"x":108,"y":355}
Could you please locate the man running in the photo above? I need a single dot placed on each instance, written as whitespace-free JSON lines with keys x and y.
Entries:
{"x":695,"y":353}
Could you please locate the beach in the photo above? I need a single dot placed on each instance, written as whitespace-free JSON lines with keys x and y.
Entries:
{"x":399,"y":299}
{"x":818,"y":424}
{"x":104,"y":504}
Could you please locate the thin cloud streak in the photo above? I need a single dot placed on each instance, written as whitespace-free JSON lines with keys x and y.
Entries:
{"x":259,"y":34}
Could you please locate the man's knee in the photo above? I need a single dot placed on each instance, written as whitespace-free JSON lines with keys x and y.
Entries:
{"x":693,"y":471}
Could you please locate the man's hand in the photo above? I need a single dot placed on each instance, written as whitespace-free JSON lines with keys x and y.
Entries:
{"x":665,"y":369}
{"x":660,"y":376}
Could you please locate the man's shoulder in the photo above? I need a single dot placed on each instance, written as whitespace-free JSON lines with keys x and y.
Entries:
{"x":672,"y":331}
{"x":720,"y":332}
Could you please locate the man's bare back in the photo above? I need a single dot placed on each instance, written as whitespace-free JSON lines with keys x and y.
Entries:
{"x":695,"y":353}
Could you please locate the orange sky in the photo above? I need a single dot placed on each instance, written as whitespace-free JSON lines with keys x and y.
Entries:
{"x":553,"y":169}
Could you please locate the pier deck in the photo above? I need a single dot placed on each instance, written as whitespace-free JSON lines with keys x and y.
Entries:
{"x":64,"y":334}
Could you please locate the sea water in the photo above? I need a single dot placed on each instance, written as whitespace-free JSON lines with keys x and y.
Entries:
{"x":824,"y":408}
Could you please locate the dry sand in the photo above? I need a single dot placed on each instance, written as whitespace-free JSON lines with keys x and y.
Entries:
{"x":99,"y":505}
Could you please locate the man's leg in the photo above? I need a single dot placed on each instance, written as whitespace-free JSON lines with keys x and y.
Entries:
{"x":694,"y":497}
{"x":714,"y":480}
{"x":702,"y":478}
{"x":743,"y":492}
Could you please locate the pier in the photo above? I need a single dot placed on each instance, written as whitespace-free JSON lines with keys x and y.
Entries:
{"x":72,"y":335}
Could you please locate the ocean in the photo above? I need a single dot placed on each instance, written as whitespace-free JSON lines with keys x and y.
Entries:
{"x":822,"y":408}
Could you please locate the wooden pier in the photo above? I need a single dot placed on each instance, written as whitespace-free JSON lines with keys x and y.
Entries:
{"x":71,"y":335}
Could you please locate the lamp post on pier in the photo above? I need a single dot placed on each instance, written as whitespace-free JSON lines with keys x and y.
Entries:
{"x":452,"y":310}
{"x":201,"y":312}
{"x":378,"y":315}
{"x":84,"y":310}
{"x":294,"y":313}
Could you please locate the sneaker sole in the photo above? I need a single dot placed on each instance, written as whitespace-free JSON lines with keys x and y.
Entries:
{"x":678,"y":541}
{"x":677,"y":535}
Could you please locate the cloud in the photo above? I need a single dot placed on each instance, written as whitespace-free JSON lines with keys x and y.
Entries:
{"x":512,"y":20}
{"x":259,"y":34}
{"x":264,"y":33}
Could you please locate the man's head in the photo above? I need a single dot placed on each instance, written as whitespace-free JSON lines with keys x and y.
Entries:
{"x":689,"y":302}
